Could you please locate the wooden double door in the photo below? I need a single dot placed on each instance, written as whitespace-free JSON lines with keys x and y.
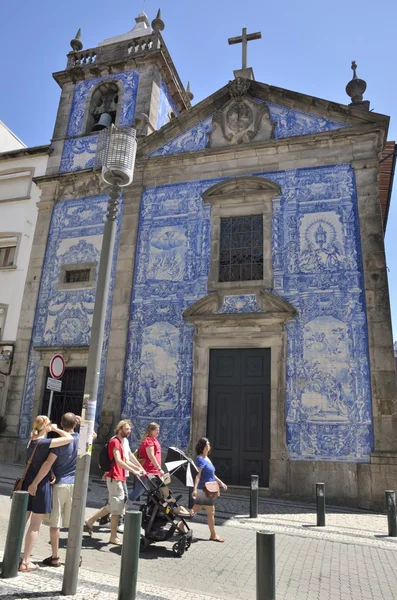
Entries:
{"x":239,"y":414}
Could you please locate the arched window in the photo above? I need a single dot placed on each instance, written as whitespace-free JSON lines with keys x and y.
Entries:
{"x":103,"y":107}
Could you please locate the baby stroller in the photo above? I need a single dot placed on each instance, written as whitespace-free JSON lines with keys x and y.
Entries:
{"x":160,"y":520}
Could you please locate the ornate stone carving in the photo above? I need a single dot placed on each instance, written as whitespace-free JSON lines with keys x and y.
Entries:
{"x":241,"y":119}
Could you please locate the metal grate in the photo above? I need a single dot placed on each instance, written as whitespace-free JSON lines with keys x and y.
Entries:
{"x":241,"y":249}
{"x":77,"y":276}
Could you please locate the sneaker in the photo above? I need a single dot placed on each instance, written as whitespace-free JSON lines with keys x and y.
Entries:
{"x":120,"y":528}
{"x":104,"y":520}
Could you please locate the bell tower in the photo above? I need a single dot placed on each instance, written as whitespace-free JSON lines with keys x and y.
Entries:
{"x":128,"y":80}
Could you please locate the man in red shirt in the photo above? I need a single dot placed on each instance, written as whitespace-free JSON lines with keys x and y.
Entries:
{"x":115,"y":478}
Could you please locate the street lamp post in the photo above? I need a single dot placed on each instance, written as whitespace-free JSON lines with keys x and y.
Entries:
{"x":116,"y":151}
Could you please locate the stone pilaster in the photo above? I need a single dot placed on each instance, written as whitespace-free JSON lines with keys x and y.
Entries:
{"x":383,"y":380}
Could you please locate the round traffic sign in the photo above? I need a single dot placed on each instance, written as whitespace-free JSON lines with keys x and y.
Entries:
{"x":57,"y":366}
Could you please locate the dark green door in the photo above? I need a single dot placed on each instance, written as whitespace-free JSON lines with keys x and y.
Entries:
{"x":239,"y":414}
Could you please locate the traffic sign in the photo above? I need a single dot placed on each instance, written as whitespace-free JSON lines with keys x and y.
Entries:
{"x":54,"y":384}
{"x":57,"y":366}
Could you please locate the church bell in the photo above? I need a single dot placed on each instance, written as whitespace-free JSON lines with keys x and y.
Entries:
{"x":105,"y":120}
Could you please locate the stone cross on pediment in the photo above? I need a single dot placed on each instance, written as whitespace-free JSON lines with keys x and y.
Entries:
{"x":244,"y":39}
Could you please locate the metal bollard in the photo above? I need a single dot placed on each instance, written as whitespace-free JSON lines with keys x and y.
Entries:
{"x":16,"y":528}
{"x":254,"y":495}
{"x":265,"y":566}
{"x":190,"y":503}
{"x":391,"y":512}
{"x":130,"y":555}
{"x":320,"y":502}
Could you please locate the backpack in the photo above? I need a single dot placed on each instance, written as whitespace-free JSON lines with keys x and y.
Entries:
{"x":103,"y":459}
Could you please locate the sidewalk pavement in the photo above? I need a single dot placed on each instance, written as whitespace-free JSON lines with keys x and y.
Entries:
{"x":349,"y":559}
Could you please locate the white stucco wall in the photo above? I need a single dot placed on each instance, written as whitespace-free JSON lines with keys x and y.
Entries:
{"x":18,"y":216}
{"x":8,"y":139}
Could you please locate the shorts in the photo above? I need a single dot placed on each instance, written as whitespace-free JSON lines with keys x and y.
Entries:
{"x":202,"y":500}
{"x":116,"y":496}
{"x":62,"y":496}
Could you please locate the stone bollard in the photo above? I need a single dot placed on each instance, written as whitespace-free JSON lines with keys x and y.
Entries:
{"x":265,"y":566}
{"x":254,"y":495}
{"x":16,"y":528}
{"x":391,"y":512}
{"x":320,"y":503}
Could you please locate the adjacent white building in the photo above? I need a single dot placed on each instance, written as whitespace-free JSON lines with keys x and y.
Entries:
{"x":19,"y":196}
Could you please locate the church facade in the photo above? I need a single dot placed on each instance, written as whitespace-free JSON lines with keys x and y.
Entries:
{"x":248,"y":298}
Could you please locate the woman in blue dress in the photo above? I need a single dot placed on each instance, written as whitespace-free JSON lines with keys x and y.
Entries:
{"x":37,"y":481}
{"x":206,"y":474}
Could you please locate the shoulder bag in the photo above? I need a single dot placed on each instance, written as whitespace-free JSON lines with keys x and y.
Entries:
{"x":139,"y":459}
{"x":211,"y":489}
{"x":19,"y":482}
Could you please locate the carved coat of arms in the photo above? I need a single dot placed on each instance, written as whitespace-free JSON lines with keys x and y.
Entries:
{"x":241,"y":119}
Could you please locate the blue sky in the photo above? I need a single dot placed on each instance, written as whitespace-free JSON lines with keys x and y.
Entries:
{"x":306,"y":46}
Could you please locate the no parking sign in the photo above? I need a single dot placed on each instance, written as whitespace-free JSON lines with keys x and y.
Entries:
{"x":57,"y":366}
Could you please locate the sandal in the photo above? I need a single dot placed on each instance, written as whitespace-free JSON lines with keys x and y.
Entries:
{"x":89,"y":529}
{"x":25,"y":568}
{"x":51,"y":561}
{"x":115,"y":542}
{"x":217,"y":539}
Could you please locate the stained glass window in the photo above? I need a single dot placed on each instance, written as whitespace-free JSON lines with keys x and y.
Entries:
{"x":241,"y":248}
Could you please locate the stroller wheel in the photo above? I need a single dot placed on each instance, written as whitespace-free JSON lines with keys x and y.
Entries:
{"x":144,"y":544}
{"x":188,"y":544}
{"x":178,"y":549}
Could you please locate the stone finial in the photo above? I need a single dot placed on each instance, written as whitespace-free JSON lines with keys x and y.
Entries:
{"x":356,"y":87}
{"x":76,"y":43}
{"x":238,"y":88}
{"x":158,"y":23}
{"x":189,"y":93}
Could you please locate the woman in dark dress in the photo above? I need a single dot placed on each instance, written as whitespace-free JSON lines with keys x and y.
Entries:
{"x":206,"y":473}
{"x":37,"y":481}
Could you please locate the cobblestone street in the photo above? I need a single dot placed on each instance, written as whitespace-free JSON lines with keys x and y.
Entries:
{"x":350,"y":559}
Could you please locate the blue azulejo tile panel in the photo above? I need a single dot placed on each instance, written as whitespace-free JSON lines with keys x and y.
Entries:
{"x":129,"y":81}
{"x":195,"y":138}
{"x":244,"y":303}
{"x":78,"y":153}
{"x":166,"y":105}
{"x":64,"y":317}
{"x":171,"y":273}
{"x":289,"y":122}
{"x":317,"y":268}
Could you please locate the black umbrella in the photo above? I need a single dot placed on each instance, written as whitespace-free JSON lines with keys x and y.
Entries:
{"x":181,"y":466}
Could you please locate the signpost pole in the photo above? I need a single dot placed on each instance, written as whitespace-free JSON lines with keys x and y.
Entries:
{"x":50,"y":404}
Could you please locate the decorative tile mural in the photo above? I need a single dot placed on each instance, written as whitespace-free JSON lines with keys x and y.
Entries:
{"x":78,"y":153}
{"x":246,"y":303}
{"x":289,"y":122}
{"x":129,"y":79}
{"x":317,"y":268}
{"x":166,"y":104}
{"x":64,"y":317}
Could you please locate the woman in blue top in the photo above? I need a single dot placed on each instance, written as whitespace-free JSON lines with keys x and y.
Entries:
{"x":206,"y":473}
{"x":37,"y":481}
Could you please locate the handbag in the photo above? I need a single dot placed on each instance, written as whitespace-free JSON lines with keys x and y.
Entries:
{"x":19,"y":481}
{"x":211,"y":489}
{"x":139,"y":459}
